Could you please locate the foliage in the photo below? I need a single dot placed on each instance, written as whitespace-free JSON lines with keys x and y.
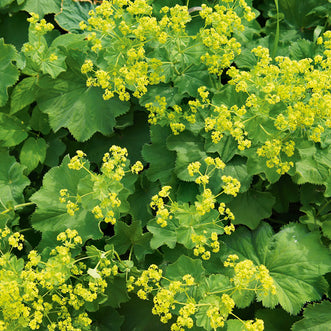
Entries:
{"x":165,"y":162}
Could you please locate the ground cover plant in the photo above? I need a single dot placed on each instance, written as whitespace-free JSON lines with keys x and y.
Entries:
{"x":165,"y":165}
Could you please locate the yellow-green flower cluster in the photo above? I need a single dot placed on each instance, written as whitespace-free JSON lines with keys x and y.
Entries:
{"x":271,"y":150}
{"x":301,"y":88}
{"x":212,"y":164}
{"x":106,"y":186}
{"x":48,"y":293}
{"x":40,"y":27}
{"x":218,"y":38}
{"x":165,"y":297}
{"x":163,"y":211}
{"x":177,"y":298}
{"x":247,"y":275}
{"x":219,"y":312}
{"x":126,"y":31}
{"x":204,"y":244}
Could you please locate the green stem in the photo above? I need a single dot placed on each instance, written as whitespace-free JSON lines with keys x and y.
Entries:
{"x":17,"y":207}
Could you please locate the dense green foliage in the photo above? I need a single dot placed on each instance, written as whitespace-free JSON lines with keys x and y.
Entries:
{"x":165,"y":167}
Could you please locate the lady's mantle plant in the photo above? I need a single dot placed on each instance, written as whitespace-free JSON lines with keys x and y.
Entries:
{"x":221,"y":220}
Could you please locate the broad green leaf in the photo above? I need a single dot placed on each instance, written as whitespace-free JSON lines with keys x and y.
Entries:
{"x":51,"y":215}
{"x":295,"y":258}
{"x":314,"y":166}
{"x":216,"y":284}
{"x":285,"y":192}
{"x":70,"y":104}
{"x":302,"y":49}
{"x":39,"y":121}
{"x":138,"y":316}
{"x":257,"y":165}
{"x":106,"y":318}
{"x":189,"y":149}
{"x":226,"y":148}
{"x":162,"y":236}
{"x":163,"y":90}
{"x":12,"y":181}
{"x":183,"y":266}
{"x":234,"y":325}
{"x":127,"y":236}
{"x":72,"y":13}
{"x":12,"y":130}
{"x":53,"y":67}
{"x":191,"y":79}
{"x":326,"y":228}
{"x":189,"y":222}
{"x":161,"y":160}
{"x":251,"y":207}
{"x":276,"y":319}
{"x":141,"y":198}
{"x":297,"y":12}
{"x":42,"y":7}
{"x":237,"y":168}
{"x":14,"y":28}
{"x":117,"y":292}
{"x":316,"y":317}
{"x":24,"y":93}
{"x":8,"y":72}
{"x":229,"y":97}
{"x":132,"y":138}
{"x":246,"y":59}
{"x":33,"y":151}
{"x":202,"y":318}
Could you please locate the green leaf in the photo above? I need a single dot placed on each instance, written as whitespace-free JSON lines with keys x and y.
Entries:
{"x":138,"y":316}
{"x":24,"y":93}
{"x":251,"y":207}
{"x":141,"y":198}
{"x":162,"y":236}
{"x":189,"y":149}
{"x":285,"y":192}
{"x":12,"y":130}
{"x":295,"y":258}
{"x":257,"y":165}
{"x":106,"y":318}
{"x":201,"y":316}
{"x":237,"y":168}
{"x":226,"y":148}
{"x":191,"y":222}
{"x":127,"y":236}
{"x":72,"y":13}
{"x":14,"y":28}
{"x":33,"y":151}
{"x":12,"y":181}
{"x":234,"y":325}
{"x":302,"y":49}
{"x":326,"y":228}
{"x":185,"y":265}
{"x":42,"y":7}
{"x":316,"y":317}
{"x":55,"y":149}
{"x":70,"y":104}
{"x":117,"y":292}
{"x":51,"y":216}
{"x":276,"y":319}
{"x":39,"y":121}
{"x":8,"y":72}
{"x":191,"y":79}
{"x":161,"y":160}
{"x":53,"y":67}
{"x":314,"y":166}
